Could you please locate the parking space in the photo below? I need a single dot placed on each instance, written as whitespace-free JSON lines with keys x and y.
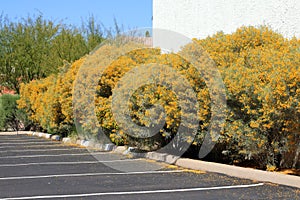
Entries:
{"x":35,"y":168}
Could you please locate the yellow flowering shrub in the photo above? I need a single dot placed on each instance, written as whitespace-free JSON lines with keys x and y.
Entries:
{"x":39,"y":100}
{"x":85,"y":88}
{"x":48,"y":102}
{"x":65,"y":95}
{"x":145,"y":97}
{"x":260,"y":70}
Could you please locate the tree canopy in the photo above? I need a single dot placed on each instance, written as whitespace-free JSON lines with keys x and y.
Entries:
{"x":35,"y":47}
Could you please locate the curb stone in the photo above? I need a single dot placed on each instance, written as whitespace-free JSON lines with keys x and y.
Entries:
{"x":31,"y":133}
{"x":55,"y":137}
{"x":34,"y":134}
{"x":47,"y":135}
{"x":170,"y":159}
{"x":162,"y":157}
{"x":99,"y":146}
{"x":120,"y":149}
{"x":86,"y":143}
{"x":66,"y":140}
{"x":109,"y":147}
{"x":78,"y":142}
{"x":38,"y":134}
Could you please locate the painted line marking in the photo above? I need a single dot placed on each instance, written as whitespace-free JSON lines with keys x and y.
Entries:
{"x":22,"y":143}
{"x":35,"y":146}
{"x":69,"y":163}
{"x":138,"y":192}
{"x":34,"y":150}
{"x":88,"y":174}
{"x":3,"y":138}
{"x":7,"y":137}
{"x":53,"y":155}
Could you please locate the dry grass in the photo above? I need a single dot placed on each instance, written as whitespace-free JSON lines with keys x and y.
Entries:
{"x":295,"y":172}
{"x":174,"y":167}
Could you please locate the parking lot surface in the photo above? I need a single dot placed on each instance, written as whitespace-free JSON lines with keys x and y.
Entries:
{"x":36,"y":168}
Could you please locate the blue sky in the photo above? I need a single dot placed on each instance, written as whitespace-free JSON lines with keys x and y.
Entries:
{"x":129,"y":13}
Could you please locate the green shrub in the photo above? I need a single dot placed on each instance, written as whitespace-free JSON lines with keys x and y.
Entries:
{"x":12,"y":118}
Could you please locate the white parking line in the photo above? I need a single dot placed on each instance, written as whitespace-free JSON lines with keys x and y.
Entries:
{"x":68,"y":163}
{"x":33,"y":146}
{"x":22,"y":143}
{"x":88,"y":174}
{"x":21,"y":140}
{"x":138,"y":192}
{"x":34,"y":150}
{"x":53,"y":155}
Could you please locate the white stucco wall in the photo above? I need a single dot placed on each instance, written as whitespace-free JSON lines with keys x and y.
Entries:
{"x":200,"y":18}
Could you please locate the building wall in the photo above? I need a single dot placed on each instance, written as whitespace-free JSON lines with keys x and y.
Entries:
{"x":201,"y":18}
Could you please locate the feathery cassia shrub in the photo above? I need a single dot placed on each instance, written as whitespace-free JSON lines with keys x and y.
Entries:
{"x":48,"y":102}
{"x":260,"y":71}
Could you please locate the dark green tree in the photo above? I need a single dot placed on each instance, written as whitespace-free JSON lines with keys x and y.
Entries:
{"x":10,"y":116}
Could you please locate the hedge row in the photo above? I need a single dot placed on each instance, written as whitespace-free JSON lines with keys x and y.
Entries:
{"x":260,"y":71}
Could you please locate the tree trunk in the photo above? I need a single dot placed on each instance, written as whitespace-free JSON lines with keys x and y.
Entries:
{"x":296,"y":159}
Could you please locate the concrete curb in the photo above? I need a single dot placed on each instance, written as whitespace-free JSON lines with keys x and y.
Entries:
{"x":14,"y":133}
{"x":120,"y":149}
{"x":230,"y":170}
{"x":67,"y":140}
{"x":170,"y":159}
{"x":42,"y":135}
{"x":55,"y":137}
{"x":240,"y":172}
{"x":89,"y":144}
{"x":162,"y":157}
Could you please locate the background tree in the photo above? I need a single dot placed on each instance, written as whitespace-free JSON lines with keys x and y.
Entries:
{"x":34,"y":47}
{"x":10,"y":116}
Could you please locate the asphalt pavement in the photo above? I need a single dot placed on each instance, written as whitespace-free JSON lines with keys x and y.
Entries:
{"x":36,"y":168}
